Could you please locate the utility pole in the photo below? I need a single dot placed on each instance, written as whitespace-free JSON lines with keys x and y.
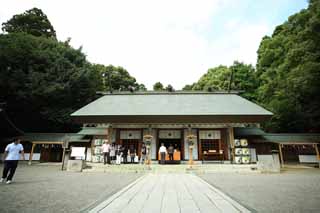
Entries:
{"x":230,"y":81}
{"x":109,"y":79}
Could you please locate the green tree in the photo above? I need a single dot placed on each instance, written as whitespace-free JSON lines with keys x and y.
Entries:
{"x":33,"y":22}
{"x":117,"y":78}
{"x":158,"y":86}
{"x":288,"y":70}
{"x":218,"y":78}
{"x":141,"y":87}
{"x":43,"y":81}
{"x":169,"y":88}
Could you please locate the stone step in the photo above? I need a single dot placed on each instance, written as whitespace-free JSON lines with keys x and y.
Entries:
{"x":156,"y":168}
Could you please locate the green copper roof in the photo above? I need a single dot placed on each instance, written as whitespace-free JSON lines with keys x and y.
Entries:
{"x":248,"y":131}
{"x":292,"y":138}
{"x":93,"y":131}
{"x":53,"y":137}
{"x":171,"y":104}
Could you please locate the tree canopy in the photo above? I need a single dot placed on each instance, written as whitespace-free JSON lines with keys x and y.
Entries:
{"x":42,"y":80}
{"x":288,"y":70}
{"x":158,"y":86}
{"x":218,"y":78}
{"x":33,"y":22}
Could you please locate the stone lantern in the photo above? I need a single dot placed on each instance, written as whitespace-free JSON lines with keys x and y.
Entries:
{"x":190,"y":139}
{"x":147,"y":140}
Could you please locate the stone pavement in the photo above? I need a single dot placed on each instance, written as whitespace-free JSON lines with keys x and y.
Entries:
{"x":162,"y":193}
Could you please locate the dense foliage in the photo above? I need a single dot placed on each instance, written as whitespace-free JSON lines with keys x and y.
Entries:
{"x":42,"y":81}
{"x":219,"y":78}
{"x":288,"y":70}
{"x":287,"y":75}
{"x":33,"y":22}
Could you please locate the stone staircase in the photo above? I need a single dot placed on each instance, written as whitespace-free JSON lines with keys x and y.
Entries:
{"x":181,"y":168}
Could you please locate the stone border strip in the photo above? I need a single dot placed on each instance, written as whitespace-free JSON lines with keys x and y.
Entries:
{"x":109,"y":200}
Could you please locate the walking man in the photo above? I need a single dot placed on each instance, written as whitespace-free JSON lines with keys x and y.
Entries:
{"x":11,"y":159}
{"x":106,"y":152}
{"x":163,"y":152}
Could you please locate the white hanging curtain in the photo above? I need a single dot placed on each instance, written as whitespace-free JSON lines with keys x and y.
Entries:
{"x":130,"y":134}
{"x":209,"y":134}
{"x":169,"y":134}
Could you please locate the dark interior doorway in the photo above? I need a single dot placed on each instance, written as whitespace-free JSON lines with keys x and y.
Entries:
{"x":176,"y":143}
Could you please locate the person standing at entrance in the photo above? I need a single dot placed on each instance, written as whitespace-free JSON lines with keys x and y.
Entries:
{"x":132,"y":151}
{"x":11,"y":159}
{"x":113,"y":153}
{"x":170,"y":152}
{"x":163,"y":152}
{"x":125,"y":154}
{"x":106,"y":152}
{"x":118,"y":154}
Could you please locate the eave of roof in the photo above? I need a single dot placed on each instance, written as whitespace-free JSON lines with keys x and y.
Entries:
{"x":291,"y":138}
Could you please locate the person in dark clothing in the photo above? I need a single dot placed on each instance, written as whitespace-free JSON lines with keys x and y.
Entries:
{"x":170,"y":152}
{"x":143,"y":153}
{"x":125,"y":154}
{"x":132,"y":151}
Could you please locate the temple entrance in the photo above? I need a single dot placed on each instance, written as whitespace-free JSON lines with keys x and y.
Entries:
{"x":176,"y":143}
{"x":171,"y":137}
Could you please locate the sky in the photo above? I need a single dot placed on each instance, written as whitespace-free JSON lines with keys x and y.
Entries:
{"x":171,"y":41}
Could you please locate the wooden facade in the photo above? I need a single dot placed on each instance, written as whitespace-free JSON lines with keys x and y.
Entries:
{"x":209,"y":148}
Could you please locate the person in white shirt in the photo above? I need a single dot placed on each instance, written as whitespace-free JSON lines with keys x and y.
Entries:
{"x":11,"y":158}
{"x":163,"y":152}
{"x":106,"y":152}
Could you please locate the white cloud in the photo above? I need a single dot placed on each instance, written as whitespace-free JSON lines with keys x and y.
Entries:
{"x":154,"y":40}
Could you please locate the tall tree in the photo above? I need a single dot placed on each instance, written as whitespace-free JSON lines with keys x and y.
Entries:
{"x":43,"y":81}
{"x":33,"y":22}
{"x":288,"y":69}
{"x":117,"y":78}
{"x":169,"y":88}
{"x":219,"y":78}
{"x":158,"y":86}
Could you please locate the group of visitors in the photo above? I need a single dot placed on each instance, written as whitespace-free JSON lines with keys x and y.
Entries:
{"x":163,"y":151}
{"x":117,"y":154}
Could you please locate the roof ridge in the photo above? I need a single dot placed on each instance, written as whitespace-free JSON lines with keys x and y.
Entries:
{"x":177,"y":92}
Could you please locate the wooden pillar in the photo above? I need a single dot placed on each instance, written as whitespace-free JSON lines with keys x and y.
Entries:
{"x":110,"y":135}
{"x":281,"y":156}
{"x":317,"y":151}
{"x":190,"y":156}
{"x":31,"y":154}
{"x":231,"y":139}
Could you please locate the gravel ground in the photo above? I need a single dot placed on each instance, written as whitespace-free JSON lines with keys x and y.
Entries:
{"x":48,"y":189}
{"x":290,"y":191}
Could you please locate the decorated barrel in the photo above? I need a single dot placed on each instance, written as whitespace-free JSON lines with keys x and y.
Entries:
{"x":97,"y":150}
{"x":245,"y":151}
{"x":246,"y":159}
{"x":244,"y":142}
{"x":237,"y":142}
{"x":238,"y":151}
{"x":238,"y":160}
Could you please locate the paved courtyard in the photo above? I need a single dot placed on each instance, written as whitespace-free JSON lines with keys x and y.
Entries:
{"x":42,"y":188}
{"x":48,"y":189}
{"x":169,"y":193}
{"x":294,"y":190}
